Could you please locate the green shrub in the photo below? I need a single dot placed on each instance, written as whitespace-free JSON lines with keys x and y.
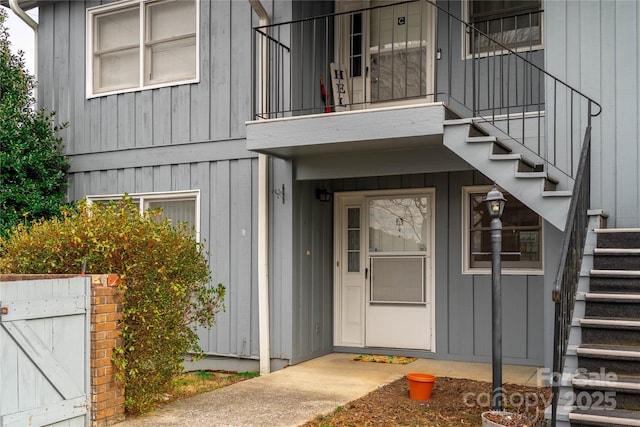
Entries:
{"x":165,"y":273}
{"x":33,"y":169}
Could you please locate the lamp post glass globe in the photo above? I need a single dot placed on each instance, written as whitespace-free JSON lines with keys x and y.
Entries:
{"x":495,"y":202}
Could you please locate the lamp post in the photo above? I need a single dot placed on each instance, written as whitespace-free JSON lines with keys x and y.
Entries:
{"x":495,"y":205}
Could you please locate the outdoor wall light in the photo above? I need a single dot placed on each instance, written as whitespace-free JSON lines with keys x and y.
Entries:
{"x":323,"y":195}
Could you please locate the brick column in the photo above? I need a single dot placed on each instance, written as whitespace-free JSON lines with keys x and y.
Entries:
{"x":107,"y":395}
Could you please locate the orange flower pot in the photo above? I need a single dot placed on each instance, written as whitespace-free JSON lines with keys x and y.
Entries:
{"x":420,"y":385}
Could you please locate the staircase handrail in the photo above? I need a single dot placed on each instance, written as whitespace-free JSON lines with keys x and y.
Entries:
{"x":568,"y":274}
{"x":511,"y":51}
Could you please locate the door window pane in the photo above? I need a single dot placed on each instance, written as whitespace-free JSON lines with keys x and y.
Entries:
{"x":398,"y":51}
{"x":353,"y":218}
{"x":355,"y":45}
{"x":398,"y":224}
{"x":353,"y":240}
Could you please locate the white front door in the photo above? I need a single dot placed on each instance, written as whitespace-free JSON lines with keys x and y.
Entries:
{"x":384,"y":270}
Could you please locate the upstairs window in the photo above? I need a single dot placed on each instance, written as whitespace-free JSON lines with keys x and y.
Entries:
{"x":521,"y":235}
{"x":137,"y":45}
{"x":517,"y":24}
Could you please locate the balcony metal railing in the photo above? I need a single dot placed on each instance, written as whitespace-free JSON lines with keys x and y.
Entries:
{"x":416,"y":50}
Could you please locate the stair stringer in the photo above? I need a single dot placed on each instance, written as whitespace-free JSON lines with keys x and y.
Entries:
{"x":503,"y":170}
{"x":533,"y":138}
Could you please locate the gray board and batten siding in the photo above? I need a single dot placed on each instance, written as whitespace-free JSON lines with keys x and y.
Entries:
{"x":498,"y":78}
{"x":187,"y":137}
{"x":213,"y":110}
{"x":596,"y":48}
{"x":192,"y":137}
{"x":463,"y":301}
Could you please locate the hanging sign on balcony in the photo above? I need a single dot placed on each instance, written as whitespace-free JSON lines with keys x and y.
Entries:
{"x":339,"y":86}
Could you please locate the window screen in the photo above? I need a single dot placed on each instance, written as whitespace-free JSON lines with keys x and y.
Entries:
{"x":397,"y":279}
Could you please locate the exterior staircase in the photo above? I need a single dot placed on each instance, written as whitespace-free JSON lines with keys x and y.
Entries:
{"x":604,"y":390}
{"x":511,"y":166}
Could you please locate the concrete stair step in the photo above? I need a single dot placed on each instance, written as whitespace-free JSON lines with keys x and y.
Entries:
{"x":612,"y":306}
{"x":616,"y":251}
{"x":628,"y":274}
{"x":482,"y":138}
{"x":618,"y":359}
{"x":607,"y":323}
{"x":526,"y":165}
{"x":615,"y":284}
{"x":610,"y":392}
{"x":612,"y":297}
{"x":618,"y":237}
{"x":530,"y":175}
{"x":557,"y":193}
{"x":610,"y":331}
{"x":616,"y":259}
{"x":609,"y":418}
{"x":596,"y":381}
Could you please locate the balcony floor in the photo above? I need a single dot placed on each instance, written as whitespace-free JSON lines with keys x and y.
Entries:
{"x":383,"y":141}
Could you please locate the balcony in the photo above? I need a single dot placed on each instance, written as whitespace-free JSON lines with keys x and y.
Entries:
{"x":392,"y":74}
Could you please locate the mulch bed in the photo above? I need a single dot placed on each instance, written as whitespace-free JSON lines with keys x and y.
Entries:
{"x":454,"y":402}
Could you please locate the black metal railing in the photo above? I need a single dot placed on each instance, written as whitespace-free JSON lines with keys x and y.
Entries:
{"x":568,"y":274}
{"x":418,"y":50}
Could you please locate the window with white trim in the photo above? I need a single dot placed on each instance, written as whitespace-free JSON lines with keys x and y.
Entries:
{"x":177,"y":206}
{"x":521,"y":235}
{"x":140,"y":44}
{"x":517,"y":24}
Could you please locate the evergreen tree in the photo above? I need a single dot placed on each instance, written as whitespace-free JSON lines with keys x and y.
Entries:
{"x":32,"y":167}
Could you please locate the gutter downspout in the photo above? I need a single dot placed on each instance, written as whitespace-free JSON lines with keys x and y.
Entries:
{"x":15,"y":8}
{"x":263,"y":217}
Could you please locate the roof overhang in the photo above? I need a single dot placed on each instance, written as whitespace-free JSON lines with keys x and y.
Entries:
{"x":28,"y":4}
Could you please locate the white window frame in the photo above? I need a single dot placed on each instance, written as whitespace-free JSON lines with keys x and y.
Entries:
{"x":144,"y":198}
{"x":466,"y":244}
{"x":92,"y":12}
{"x":466,"y":54}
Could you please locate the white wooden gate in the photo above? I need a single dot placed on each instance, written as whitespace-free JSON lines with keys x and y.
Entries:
{"x":44,"y":352}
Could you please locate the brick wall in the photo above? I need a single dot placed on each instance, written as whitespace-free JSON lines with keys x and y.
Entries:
{"x":107,"y":396}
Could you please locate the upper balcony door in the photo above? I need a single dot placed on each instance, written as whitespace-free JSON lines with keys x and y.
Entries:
{"x":385,"y":52}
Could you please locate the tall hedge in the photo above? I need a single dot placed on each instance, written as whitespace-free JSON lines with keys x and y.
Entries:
{"x":32,"y":166}
{"x":166,"y":276}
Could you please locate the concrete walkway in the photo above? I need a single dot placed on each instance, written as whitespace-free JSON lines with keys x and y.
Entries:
{"x":299,"y":393}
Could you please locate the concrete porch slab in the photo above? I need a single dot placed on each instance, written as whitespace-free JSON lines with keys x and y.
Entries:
{"x":296,"y":394}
